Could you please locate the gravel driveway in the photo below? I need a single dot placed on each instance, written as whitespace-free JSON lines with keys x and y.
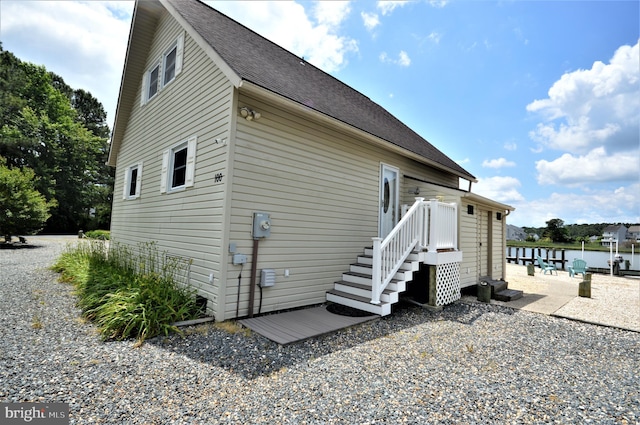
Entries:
{"x":468,"y":364}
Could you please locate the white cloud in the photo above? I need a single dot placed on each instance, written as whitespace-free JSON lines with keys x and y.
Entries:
{"x":579,"y":207}
{"x":83,"y":42}
{"x":387,"y":6}
{"x":511,"y":146}
{"x":438,"y":3}
{"x":594,"y":107}
{"x":331,"y":13}
{"x":596,"y":166}
{"x":498,"y":163}
{"x":314,"y":37}
{"x":434,"y":37}
{"x":402,"y":60}
{"x":502,"y":189}
{"x":370,"y":20}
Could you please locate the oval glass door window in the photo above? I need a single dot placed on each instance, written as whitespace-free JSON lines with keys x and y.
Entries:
{"x":387,"y":195}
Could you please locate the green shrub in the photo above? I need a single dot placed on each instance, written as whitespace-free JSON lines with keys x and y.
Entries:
{"x":127,"y":294}
{"x":103,"y":235}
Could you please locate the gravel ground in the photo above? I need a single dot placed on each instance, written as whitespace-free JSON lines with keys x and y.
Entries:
{"x":468,"y":364}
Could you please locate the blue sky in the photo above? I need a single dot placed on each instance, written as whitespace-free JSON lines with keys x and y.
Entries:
{"x":540,"y":100}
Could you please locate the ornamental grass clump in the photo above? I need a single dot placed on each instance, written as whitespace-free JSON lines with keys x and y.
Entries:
{"x":127,"y":293}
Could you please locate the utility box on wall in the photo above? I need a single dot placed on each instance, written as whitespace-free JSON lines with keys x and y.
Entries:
{"x":267,"y":278}
{"x":261,"y":225}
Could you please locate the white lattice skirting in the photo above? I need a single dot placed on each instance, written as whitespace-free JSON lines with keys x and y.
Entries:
{"x":447,"y":283}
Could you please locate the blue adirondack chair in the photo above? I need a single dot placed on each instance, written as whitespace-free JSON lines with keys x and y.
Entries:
{"x":579,"y":266}
{"x":545,"y":267}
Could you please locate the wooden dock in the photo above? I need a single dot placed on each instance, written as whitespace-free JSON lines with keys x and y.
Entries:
{"x":524,"y":256}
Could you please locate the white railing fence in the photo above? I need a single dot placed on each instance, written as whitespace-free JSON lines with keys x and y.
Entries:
{"x":430,"y":225}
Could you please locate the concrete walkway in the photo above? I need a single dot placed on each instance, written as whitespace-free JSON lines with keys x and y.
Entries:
{"x":615,"y":301}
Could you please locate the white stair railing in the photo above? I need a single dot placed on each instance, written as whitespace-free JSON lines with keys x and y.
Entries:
{"x":431,"y":225}
{"x":441,"y":233}
{"x":390,"y":253}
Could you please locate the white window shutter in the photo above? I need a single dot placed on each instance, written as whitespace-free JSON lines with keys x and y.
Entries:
{"x":145,"y":89}
{"x":191,"y":161}
{"x":179,"y":51}
{"x":125,"y":189}
{"x":165,"y":170}
{"x":139,"y":180}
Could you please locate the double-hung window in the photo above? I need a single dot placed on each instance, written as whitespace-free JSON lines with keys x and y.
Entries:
{"x":178,"y":166}
{"x":170,"y":65}
{"x":154,"y":82}
{"x":132,"y":181}
{"x":163,"y":71}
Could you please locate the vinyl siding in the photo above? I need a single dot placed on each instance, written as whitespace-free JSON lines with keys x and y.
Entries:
{"x":320,"y":187}
{"x":469,"y":245}
{"x":189,"y":223}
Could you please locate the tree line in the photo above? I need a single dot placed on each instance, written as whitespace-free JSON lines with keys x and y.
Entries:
{"x":557,"y":231}
{"x":54,"y":143}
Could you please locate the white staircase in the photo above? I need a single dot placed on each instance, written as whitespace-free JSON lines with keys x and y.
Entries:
{"x":424,"y":233}
{"x":355,"y":288}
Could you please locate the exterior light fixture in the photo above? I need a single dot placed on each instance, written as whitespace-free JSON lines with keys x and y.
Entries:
{"x":249,"y":114}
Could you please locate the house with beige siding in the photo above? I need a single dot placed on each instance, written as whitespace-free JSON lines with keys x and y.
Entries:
{"x":279,"y":185}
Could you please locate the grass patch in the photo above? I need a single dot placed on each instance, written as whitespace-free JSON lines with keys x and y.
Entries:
{"x":103,"y":235}
{"x":126,"y":293}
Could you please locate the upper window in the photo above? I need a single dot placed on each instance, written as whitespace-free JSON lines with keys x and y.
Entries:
{"x":153,"y":81}
{"x":170,"y":66}
{"x":132,"y":182}
{"x":163,"y":71}
{"x":178,"y":166}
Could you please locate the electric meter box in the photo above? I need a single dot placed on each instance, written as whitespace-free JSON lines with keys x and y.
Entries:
{"x":267,"y":278}
{"x":261,"y":225}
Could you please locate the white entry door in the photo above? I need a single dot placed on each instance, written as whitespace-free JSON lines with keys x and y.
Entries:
{"x":389,"y":199}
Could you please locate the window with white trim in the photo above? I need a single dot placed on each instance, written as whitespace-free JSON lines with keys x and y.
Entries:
{"x":163,"y":71}
{"x":178,"y":166}
{"x":132,"y":181}
{"x":154,"y":82}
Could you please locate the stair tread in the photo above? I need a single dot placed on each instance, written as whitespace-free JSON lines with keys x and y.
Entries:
{"x":367,"y":276}
{"x":361,"y":285}
{"x":353,"y":297}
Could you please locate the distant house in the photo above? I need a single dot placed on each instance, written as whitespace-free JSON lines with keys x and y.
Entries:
{"x":515,"y":233}
{"x":282,"y":186}
{"x":614,"y":234}
{"x":633,"y":234}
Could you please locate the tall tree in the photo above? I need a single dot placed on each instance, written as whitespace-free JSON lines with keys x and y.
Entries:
{"x":556,"y":231}
{"x":64,"y":143}
{"x":22,"y":208}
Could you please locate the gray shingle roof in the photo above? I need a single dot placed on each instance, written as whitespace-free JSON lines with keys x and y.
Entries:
{"x":259,"y":61}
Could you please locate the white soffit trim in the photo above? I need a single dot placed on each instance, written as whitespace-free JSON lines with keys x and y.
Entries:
{"x":474,"y":197}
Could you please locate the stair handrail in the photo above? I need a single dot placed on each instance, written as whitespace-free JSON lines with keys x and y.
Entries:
{"x":391,"y":252}
{"x":441,"y":226}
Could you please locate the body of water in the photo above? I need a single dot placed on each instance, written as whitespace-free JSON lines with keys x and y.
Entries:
{"x":593,"y":258}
